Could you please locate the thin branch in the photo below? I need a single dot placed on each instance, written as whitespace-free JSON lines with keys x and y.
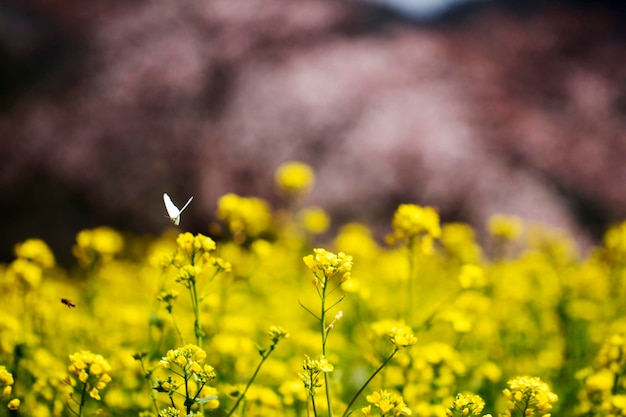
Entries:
{"x":308,"y":311}
{"x":340,"y":300}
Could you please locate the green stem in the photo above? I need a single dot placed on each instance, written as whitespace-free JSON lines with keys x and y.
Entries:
{"x":152,"y":395}
{"x":206,"y":286}
{"x":326,"y":380}
{"x":180,"y":334}
{"x":196,"y":307}
{"x":380,"y":368}
{"x":324,"y":339}
{"x":196,"y":312}
{"x":525,"y":408}
{"x":431,"y":317}
{"x":82,"y":400}
{"x":409,"y":304}
{"x":187,"y":397}
{"x":254,"y":375}
{"x":313,"y":405}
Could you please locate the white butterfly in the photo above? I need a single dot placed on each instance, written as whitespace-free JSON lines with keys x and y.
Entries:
{"x":172,"y":211}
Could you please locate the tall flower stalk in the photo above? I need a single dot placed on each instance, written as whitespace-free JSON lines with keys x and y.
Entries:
{"x":417,"y":227}
{"x":310,"y":375}
{"x":276,"y":335}
{"x":329,"y":272}
{"x":147,"y":374}
{"x":191,"y":259}
{"x":191,"y":375}
{"x":92,"y":372}
{"x":401,"y":337}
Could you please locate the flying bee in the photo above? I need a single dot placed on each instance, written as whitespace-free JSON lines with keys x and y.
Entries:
{"x":68,"y":303}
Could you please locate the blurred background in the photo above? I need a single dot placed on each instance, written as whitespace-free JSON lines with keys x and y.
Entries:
{"x":474,"y":107}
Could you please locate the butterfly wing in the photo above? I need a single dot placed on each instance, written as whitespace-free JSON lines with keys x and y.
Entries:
{"x":186,"y":204}
{"x":172,"y":210}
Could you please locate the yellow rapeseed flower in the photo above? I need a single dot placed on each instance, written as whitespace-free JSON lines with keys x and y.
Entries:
{"x":14,"y":404}
{"x":472,"y":276}
{"x":466,"y":405}
{"x":277,"y":333}
{"x":210,"y":396}
{"x":417,"y":226}
{"x":505,"y":227}
{"x":294,"y":178}
{"x":314,"y":220}
{"x":312,"y":369}
{"x":25,"y":272}
{"x":326,"y":265}
{"x":357,"y":239}
{"x":411,"y":220}
{"x":190,"y":358}
{"x":245,"y":216}
{"x":185,"y":243}
{"x":600,"y":382}
{"x":530,"y":394}
{"x":387,"y":402}
{"x":6,"y":381}
{"x":193,"y":251}
{"x":90,"y":369}
{"x":615,"y":241}
{"x":188,"y":273}
{"x":36,"y":251}
{"x":459,"y":241}
{"x":33,"y":257}
{"x":169,"y":412}
{"x":97,"y":245}
{"x":402,"y":336}
{"x":612,"y":354}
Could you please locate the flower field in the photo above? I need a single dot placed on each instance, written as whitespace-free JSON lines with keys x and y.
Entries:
{"x":264,"y":317}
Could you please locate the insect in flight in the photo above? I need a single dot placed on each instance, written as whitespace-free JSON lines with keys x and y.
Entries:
{"x":172,"y":211}
{"x":68,"y":303}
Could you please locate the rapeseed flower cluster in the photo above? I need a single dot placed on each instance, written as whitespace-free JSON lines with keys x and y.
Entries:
{"x":388,"y":404}
{"x":402,"y":337}
{"x":435,"y":324}
{"x":90,"y":376}
{"x":312,"y":369}
{"x":294,"y":178}
{"x":193,"y":255}
{"x":327,"y":266}
{"x":33,"y":257}
{"x":191,"y":260}
{"x":91,"y":370}
{"x":6,"y":385}
{"x":415,"y":224}
{"x":189,"y":359}
{"x":466,"y":405}
{"x":529,"y":396}
{"x":506,"y":228}
{"x":97,"y":246}
{"x":169,"y":412}
{"x":432,"y":373}
{"x":6,"y":381}
{"x":35,"y":251}
{"x":612,"y":355}
{"x":314,"y":220}
{"x":246,"y":217}
{"x":191,"y":375}
{"x":615,"y":243}
{"x":604,"y":383}
{"x":472,"y":276}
